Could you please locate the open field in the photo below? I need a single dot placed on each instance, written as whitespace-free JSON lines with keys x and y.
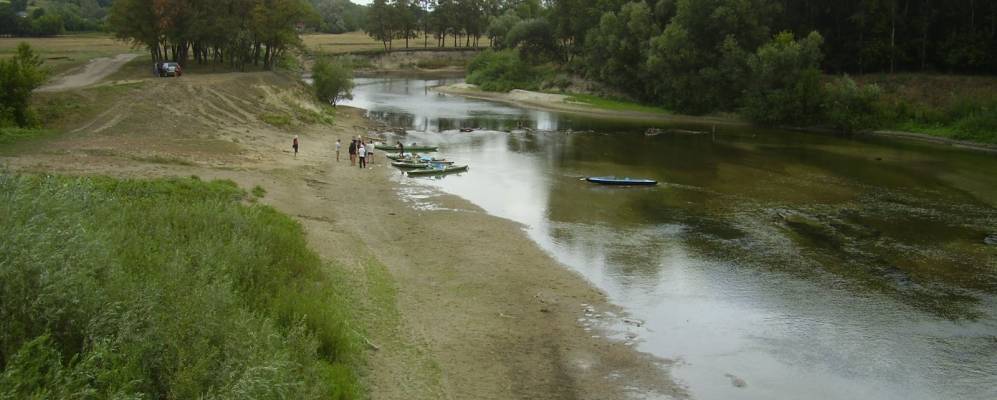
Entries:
{"x":64,"y":53}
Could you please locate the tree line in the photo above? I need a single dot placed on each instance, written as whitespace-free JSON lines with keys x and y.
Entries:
{"x":747,"y":56}
{"x":235,"y":32}
{"x":53,"y":18}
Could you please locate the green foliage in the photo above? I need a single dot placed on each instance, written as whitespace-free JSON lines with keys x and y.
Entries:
{"x":703,"y":52}
{"x":614,"y":105}
{"x":163,"y":289}
{"x":333,"y":81}
{"x":961,"y":117}
{"x":535,"y":40}
{"x":259,"y":191}
{"x":340,"y":16}
{"x":785,"y":81}
{"x":500,"y":27}
{"x":850,"y":107}
{"x":19,"y":77}
{"x":616,"y":50}
{"x":10,"y":135}
{"x":241,"y":33}
{"x":278,"y":120}
{"x":502,"y":71}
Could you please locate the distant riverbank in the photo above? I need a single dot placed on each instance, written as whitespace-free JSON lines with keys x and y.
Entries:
{"x":563,"y":103}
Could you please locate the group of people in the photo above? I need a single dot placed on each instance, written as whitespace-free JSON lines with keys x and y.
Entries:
{"x":360,"y":152}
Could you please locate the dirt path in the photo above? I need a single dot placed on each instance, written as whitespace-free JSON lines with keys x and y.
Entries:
{"x":91,"y":73}
{"x":461,"y":304}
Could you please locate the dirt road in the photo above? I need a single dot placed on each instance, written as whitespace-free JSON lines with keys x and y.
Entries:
{"x":96,"y":70}
{"x":474,"y":310}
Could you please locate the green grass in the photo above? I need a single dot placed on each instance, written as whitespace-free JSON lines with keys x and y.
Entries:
{"x":10,"y":135}
{"x":277,"y":120}
{"x":258,"y":191}
{"x":614,"y":105}
{"x":169,"y":288}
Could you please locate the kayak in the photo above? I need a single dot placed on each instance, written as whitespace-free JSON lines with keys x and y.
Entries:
{"x":410,"y":165}
{"x":407,"y":148}
{"x":419,"y":164}
{"x":612,"y":180}
{"x":438,"y":170}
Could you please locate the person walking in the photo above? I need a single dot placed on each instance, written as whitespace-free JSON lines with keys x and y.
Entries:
{"x":362,"y":152}
{"x":339,"y":145}
{"x":294,"y":145}
{"x":353,"y":152}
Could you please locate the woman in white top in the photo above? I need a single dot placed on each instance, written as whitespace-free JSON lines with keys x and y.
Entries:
{"x":362,"y":153}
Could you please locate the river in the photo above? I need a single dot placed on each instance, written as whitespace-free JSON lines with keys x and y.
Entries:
{"x":768,"y":264}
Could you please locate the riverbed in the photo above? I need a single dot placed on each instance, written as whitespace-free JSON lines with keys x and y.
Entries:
{"x":768,"y":264}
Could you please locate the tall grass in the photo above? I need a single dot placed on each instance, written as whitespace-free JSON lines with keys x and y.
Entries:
{"x":163,"y":289}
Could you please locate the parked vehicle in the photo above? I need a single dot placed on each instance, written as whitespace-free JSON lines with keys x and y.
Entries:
{"x":170,"y":69}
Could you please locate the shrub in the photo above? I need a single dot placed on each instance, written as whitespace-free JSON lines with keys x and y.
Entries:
{"x":333,"y":81}
{"x":19,"y":77}
{"x":850,"y":107}
{"x":502,"y":71}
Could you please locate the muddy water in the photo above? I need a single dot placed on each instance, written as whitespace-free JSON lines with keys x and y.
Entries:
{"x":771,"y":265}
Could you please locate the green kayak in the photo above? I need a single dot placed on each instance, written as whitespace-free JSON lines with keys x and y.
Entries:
{"x":438,"y":170}
{"x":410,"y":165}
{"x":407,"y":148}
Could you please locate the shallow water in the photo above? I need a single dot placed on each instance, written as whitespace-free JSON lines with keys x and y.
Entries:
{"x":806,"y":266}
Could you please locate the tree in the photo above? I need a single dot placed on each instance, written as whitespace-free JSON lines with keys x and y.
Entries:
{"x":380,"y":23}
{"x":500,"y":27}
{"x":535,"y":40}
{"x":701,"y":54}
{"x":617,"y":48}
{"x":785,"y":81}
{"x":333,"y":82}
{"x":19,"y":77}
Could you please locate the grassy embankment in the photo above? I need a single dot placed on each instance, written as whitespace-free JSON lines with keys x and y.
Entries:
{"x":171,"y":288}
{"x":947,"y":106}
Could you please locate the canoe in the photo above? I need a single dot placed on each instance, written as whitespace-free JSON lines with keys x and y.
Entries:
{"x":407,"y":148}
{"x":410,"y":165}
{"x":612,"y":180}
{"x":449,"y":169}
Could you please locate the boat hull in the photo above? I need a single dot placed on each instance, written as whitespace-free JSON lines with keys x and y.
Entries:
{"x":614,"y":181}
{"x":438,"y":171}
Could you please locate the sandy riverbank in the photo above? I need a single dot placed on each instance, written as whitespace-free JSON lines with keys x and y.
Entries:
{"x":560,"y":103}
{"x":460,"y":304}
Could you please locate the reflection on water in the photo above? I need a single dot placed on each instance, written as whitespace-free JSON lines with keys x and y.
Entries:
{"x":808,"y":266}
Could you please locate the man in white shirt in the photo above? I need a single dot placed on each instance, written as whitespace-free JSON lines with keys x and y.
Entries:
{"x":362,"y":152}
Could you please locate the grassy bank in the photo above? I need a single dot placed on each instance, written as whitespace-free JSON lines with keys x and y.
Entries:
{"x":948,"y":106}
{"x":614,"y":105}
{"x":172,"y":288}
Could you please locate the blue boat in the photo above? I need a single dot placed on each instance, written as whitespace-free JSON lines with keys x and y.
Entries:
{"x":612,"y":180}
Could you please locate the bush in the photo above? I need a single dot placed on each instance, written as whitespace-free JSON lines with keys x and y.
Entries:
{"x":162,"y":289}
{"x":850,"y":107}
{"x":502,"y":71}
{"x":785,"y":81}
{"x":19,"y":77}
{"x":333,"y":82}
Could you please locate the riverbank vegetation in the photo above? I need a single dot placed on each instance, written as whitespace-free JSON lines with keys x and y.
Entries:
{"x":772,"y":62}
{"x":174,"y":288}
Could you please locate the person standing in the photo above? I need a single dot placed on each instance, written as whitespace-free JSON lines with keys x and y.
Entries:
{"x":339,"y":145}
{"x":353,"y":152}
{"x":294,"y":145}
{"x":362,"y":152}
{"x":401,"y":149}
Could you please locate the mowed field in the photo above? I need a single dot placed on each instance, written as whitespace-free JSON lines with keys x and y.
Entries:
{"x":63,"y":53}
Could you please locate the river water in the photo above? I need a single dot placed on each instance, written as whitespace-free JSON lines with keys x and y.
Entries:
{"x":798,"y":266}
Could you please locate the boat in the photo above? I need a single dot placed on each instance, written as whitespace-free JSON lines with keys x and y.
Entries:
{"x":407,"y":148}
{"x":612,"y":180}
{"x":438,"y":170}
{"x":419,"y":164}
{"x":466,"y":130}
